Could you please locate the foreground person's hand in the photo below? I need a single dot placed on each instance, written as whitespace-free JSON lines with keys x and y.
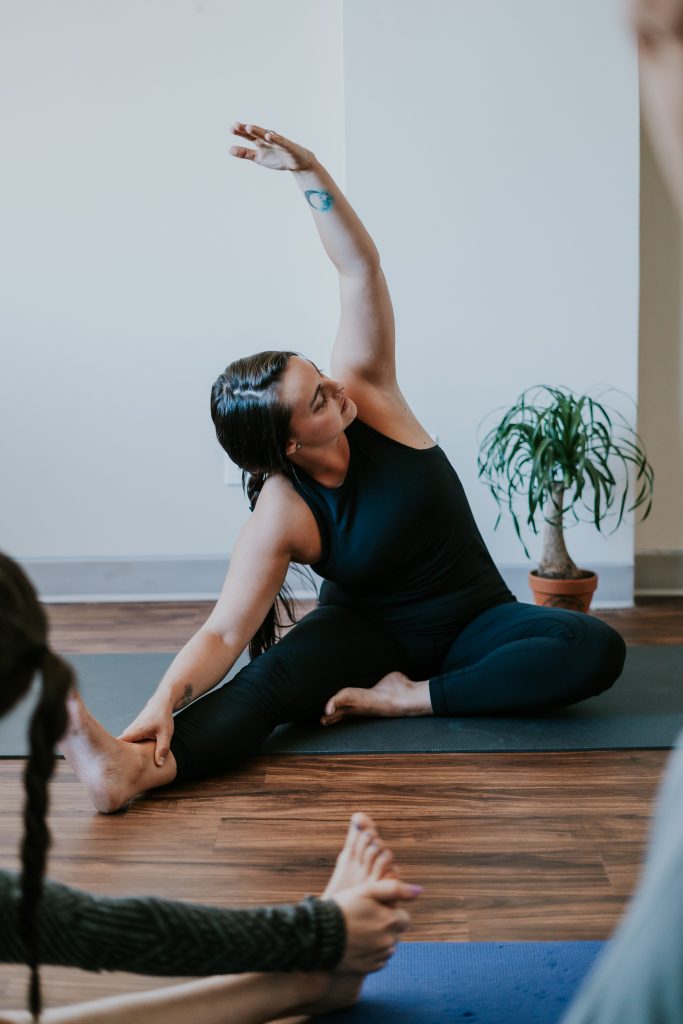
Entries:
{"x":374,"y":923}
{"x":155,"y":722}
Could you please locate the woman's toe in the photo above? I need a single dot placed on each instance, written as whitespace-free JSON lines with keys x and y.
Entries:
{"x":362,"y":822}
{"x":382,"y":864}
{"x":372,"y":851}
{"x":363,"y":842}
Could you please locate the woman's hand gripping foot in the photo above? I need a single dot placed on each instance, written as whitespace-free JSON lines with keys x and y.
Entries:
{"x":112,"y":771}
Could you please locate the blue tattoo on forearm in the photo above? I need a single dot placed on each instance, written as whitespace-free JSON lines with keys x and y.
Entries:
{"x":321,"y":201}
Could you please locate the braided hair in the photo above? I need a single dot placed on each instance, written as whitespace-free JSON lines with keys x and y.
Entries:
{"x":23,"y":651}
{"x":252,"y":426}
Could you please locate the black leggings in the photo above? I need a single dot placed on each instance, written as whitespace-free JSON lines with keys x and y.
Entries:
{"x":511,"y":658}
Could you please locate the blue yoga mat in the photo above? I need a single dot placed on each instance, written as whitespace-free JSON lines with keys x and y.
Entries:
{"x":474,"y":983}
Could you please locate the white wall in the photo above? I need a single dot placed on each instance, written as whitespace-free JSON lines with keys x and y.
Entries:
{"x":138,"y":257}
{"x":491,"y":149}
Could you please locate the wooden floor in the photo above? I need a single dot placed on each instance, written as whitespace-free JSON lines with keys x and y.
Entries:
{"x":508,"y":846}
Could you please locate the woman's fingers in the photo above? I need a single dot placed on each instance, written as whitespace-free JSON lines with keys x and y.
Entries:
{"x":401,"y":921}
{"x":255,"y":133}
{"x":239,"y":128}
{"x":259,"y":134}
{"x":249,"y":131}
{"x":275,"y":139}
{"x":272,"y":149}
{"x":243,"y":153}
{"x":133,"y":734}
{"x":163,"y":746}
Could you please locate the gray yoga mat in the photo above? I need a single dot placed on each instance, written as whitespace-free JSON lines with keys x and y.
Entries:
{"x":644,"y":708}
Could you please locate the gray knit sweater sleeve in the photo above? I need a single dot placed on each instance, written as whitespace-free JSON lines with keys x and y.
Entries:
{"x":147,"y":935}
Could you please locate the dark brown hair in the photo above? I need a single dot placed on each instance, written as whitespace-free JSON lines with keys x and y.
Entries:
{"x":23,"y":652}
{"x":252,"y":425}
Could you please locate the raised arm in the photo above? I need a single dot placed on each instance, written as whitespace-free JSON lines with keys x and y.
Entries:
{"x":364,"y":348}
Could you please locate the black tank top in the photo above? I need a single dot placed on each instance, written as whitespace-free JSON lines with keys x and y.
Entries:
{"x":399,"y":541}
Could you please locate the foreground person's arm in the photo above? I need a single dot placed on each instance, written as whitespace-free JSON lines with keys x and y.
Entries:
{"x":355,"y":930}
{"x":147,"y":935}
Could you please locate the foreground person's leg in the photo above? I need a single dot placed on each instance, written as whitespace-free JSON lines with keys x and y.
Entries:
{"x":237,"y":999}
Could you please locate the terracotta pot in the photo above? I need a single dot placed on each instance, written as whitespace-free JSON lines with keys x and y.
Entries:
{"x":574,"y":594}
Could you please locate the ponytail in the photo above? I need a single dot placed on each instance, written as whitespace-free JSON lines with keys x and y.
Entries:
{"x":48,"y":724}
{"x":267,"y":633}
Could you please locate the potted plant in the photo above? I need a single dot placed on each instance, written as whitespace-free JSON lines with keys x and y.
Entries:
{"x":551,"y":445}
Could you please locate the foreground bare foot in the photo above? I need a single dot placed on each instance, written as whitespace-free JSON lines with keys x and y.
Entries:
{"x":363,"y":875}
{"x":394,"y":696}
{"x":112,"y":771}
{"x":343,"y":991}
{"x":363,"y":857}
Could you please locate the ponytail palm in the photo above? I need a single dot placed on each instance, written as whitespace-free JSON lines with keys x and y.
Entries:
{"x":553,"y":446}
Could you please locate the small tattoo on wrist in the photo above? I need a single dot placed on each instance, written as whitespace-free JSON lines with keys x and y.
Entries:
{"x":320,"y":201}
{"x":185,"y":699}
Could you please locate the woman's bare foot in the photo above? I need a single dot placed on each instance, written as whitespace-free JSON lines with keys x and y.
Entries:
{"x":394,"y":696}
{"x":112,"y":771}
{"x":363,"y":857}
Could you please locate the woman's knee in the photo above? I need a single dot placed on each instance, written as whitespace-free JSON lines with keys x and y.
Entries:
{"x":607,"y":652}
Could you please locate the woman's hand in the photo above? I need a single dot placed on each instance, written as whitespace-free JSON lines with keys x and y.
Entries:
{"x":374,"y":923}
{"x":272,"y":150}
{"x":155,"y":722}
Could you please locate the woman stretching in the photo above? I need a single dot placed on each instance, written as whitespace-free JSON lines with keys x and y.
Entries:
{"x":413,"y":617}
{"x":335,"y":940}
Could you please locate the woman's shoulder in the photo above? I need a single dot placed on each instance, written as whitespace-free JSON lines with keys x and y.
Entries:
{"x":385,"y":409}
{"x":284,"y":509}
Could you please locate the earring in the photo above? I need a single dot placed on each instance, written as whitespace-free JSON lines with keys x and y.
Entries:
{"x":298,"y":445}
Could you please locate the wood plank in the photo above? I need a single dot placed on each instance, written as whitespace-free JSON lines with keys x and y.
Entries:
{"x":166,"y":626}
